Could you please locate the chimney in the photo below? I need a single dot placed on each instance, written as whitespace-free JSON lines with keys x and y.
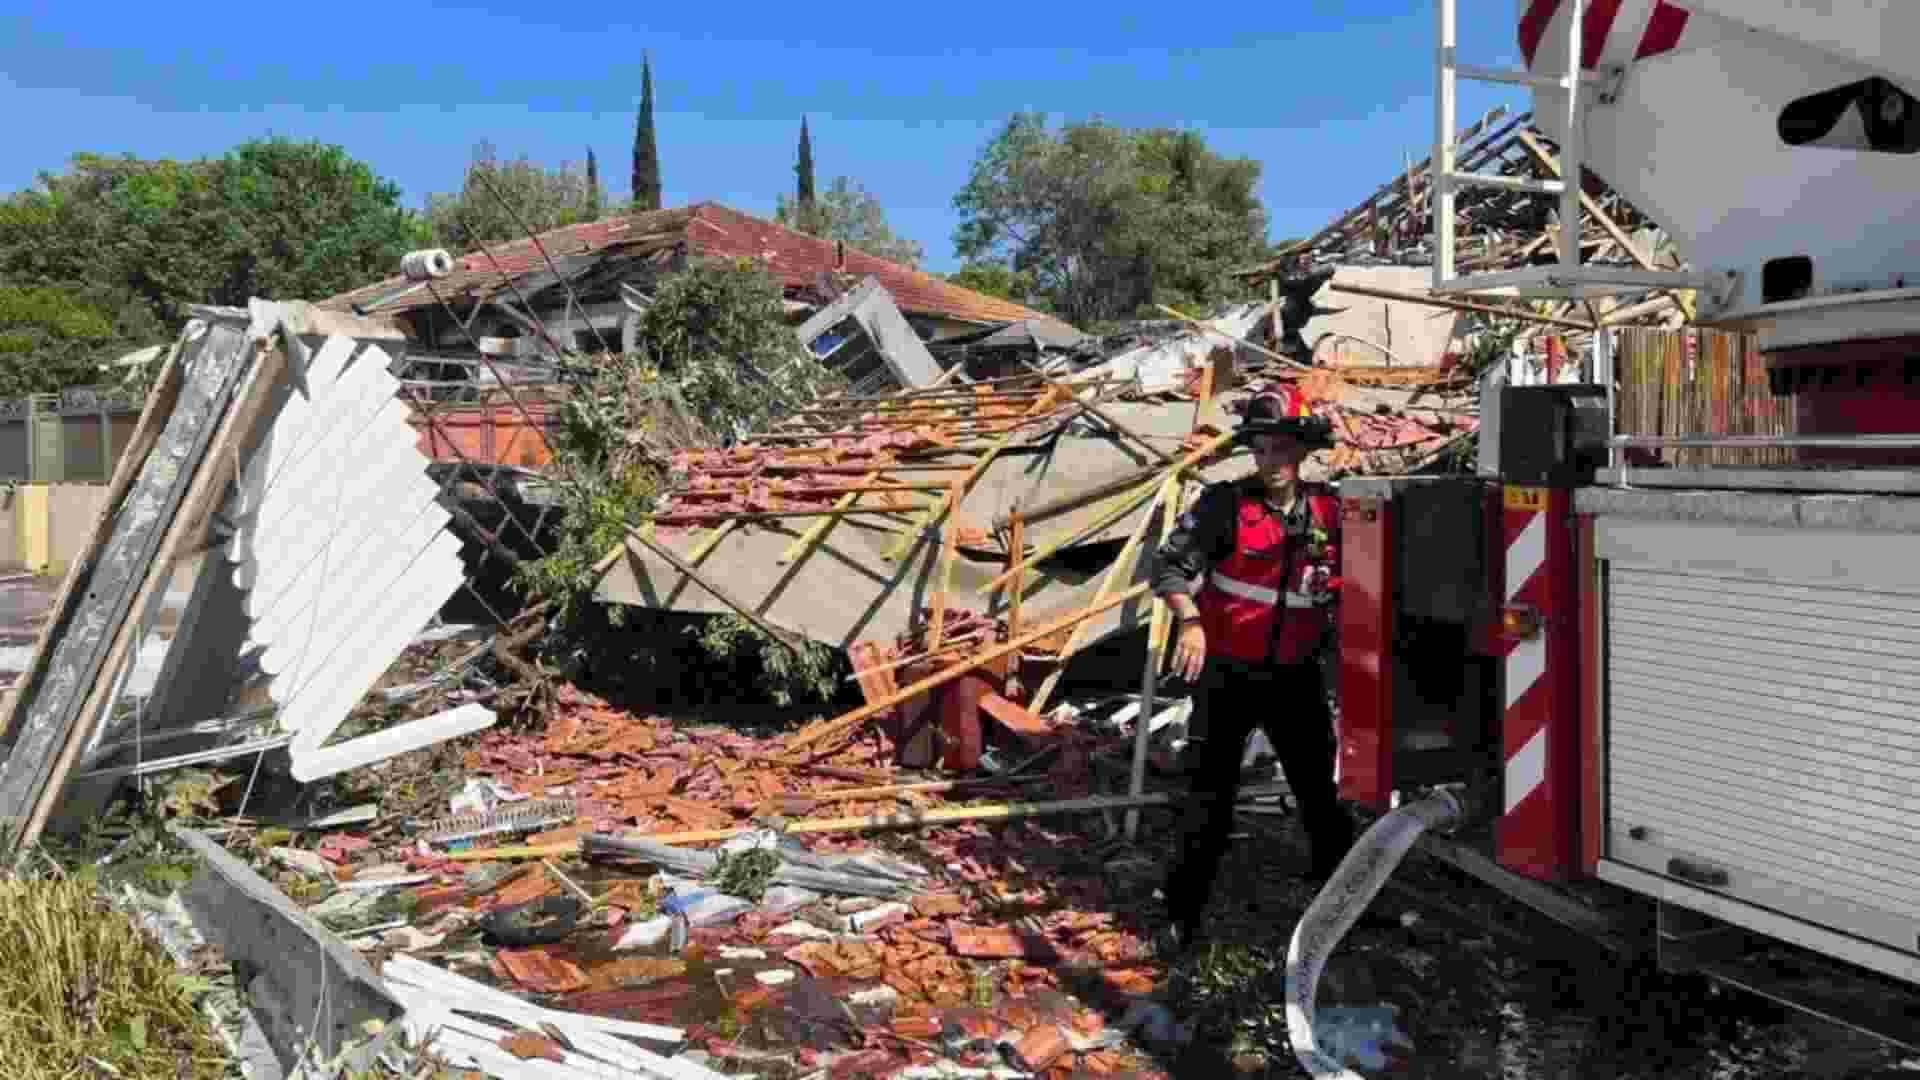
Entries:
{"x":839,"y":255}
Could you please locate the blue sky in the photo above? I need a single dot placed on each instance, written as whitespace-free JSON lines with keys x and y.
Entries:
{"x":1331,"y":98}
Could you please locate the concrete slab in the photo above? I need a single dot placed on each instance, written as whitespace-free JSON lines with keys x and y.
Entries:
{"x":1415,"y":333}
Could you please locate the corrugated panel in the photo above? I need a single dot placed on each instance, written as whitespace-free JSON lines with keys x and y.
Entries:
{"x":343,"y":550}
{"x":1770,"y":729}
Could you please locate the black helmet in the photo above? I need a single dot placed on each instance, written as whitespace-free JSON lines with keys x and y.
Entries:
{"x":1284,"y":412}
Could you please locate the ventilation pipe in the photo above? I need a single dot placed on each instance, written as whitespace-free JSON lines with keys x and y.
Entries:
{"x":1341,"y":901}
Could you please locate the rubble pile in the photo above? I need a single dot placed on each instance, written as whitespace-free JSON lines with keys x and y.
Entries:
{"x":973,"y":944}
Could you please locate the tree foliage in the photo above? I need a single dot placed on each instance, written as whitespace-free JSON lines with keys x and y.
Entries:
{"x":129,"y":244}
{"x":848,"y":212}
{"x":56,"y":336}
{"x":992,"y":277}
{"x":646,"y":155}
{"x":594,"y":201}
{"x":803,"y":169}
{"x":717,"y":359}
{"x":304,"y":220}
{"x":499,"y":201}
{"x":1109,"y":220}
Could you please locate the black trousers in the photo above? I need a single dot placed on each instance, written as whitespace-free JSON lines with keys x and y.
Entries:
{"x":1290,"y":704}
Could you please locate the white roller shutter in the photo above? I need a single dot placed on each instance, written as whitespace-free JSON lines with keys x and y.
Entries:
{"x":1763,"y":734}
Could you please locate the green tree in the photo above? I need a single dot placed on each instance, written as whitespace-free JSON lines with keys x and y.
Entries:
{"x":499,"y":201}
{"x":131,"y":243}
{"x":305,"y":221}
{"x":50,"y":338}
{"x":994,"y":278}
{"x":716,"y":359}
{"x":646,"y":156}
{"x":803,"y":171}
{"x":850,"y":213}
{"x":593,"y":187}
{"x":1108,"y":220}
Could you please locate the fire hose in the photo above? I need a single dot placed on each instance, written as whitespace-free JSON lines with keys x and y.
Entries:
{"x":1360,"y":876}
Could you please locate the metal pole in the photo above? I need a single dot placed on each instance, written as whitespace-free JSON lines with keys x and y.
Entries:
{"x":1603,"y":362}
{"x":1572,"y":155}
{"x":1762,"y":442}
{"x":1440,"y":175}
{"x":1172,"y":501}
{"x":1142,"y":731}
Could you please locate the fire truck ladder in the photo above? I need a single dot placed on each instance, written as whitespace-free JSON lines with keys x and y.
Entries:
{"x":1569,"y":278}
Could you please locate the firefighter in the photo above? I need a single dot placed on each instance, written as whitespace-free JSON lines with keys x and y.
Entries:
{"x":1249,"y":574}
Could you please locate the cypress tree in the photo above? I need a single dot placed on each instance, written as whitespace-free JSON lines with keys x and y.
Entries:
{"x":593,"y":187}
{"x":803,"y":170}
{"x":646,"y":157}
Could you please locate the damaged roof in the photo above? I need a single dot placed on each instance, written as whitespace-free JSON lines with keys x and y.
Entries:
{"x":706,"y":229}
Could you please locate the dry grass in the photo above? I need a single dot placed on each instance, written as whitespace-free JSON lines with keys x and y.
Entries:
{"x":84,"y":993}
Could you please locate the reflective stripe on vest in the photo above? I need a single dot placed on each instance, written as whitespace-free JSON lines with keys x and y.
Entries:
{"x":1257,"y":594}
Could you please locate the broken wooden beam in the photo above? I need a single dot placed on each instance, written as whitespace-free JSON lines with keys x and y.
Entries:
{"x":159,"y":406}
{"x":941,"y":678}
{"x":1458,"y":305}
{"x":1122,"y":568}
{"x":1128,"y":501}
{"x":1212,"y":329}
{"x":1103,"y":416}
{"x":902,"y":820}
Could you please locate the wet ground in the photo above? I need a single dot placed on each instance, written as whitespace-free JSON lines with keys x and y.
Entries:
{"x":1514,"y":997}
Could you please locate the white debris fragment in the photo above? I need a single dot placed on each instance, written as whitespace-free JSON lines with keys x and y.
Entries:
{"x":859,"y":921}
{"x":801,"y":929}
{"x":879,"y":995}
{"x":775,"y":977}
{"x":482,"y":794}
{"x":642,"y":935}
{"x":735,"y":952}
{"x":305,"y":862}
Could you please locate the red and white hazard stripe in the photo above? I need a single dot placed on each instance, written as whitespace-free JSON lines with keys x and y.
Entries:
{"x":1540,"y":729}
{"x":1528,"y":702}
{"x":1612,"y":32}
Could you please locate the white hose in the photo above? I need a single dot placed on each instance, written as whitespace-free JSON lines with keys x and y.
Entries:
{"x":426,"y":265}
{"x":1346,"y":895}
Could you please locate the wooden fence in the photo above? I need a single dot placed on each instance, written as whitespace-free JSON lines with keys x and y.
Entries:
{"x":1699,"y":382}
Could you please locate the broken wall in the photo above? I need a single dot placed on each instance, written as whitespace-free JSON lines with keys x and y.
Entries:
{"x":1416,"y":334}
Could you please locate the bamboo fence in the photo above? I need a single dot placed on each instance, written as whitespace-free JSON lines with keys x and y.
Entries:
{"x":1699,"y":382}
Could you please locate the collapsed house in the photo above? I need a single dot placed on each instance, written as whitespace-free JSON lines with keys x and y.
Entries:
{"x":1376,"y":261}
{"x":578,"y":290}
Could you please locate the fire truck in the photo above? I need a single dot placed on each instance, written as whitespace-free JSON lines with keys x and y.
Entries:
{"x":1684,"y":701}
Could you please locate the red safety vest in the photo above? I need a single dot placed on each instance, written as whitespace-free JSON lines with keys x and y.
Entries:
{"x":1266,"y":577}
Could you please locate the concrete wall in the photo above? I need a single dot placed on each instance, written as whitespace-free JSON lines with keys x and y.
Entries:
{"x":1417,"y":335}
{"x":46,"y":526}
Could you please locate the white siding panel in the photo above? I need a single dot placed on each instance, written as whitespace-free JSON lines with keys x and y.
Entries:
{"x":346,"y":555}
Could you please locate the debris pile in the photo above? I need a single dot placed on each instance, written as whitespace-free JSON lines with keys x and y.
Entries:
{"x":817,"y":935}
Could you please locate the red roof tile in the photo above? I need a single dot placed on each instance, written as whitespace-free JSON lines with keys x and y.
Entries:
{"x":708,"y":229}
{"x":798,"y":259}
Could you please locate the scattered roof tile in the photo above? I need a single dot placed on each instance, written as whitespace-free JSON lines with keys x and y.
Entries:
{"x":706,"y":229}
